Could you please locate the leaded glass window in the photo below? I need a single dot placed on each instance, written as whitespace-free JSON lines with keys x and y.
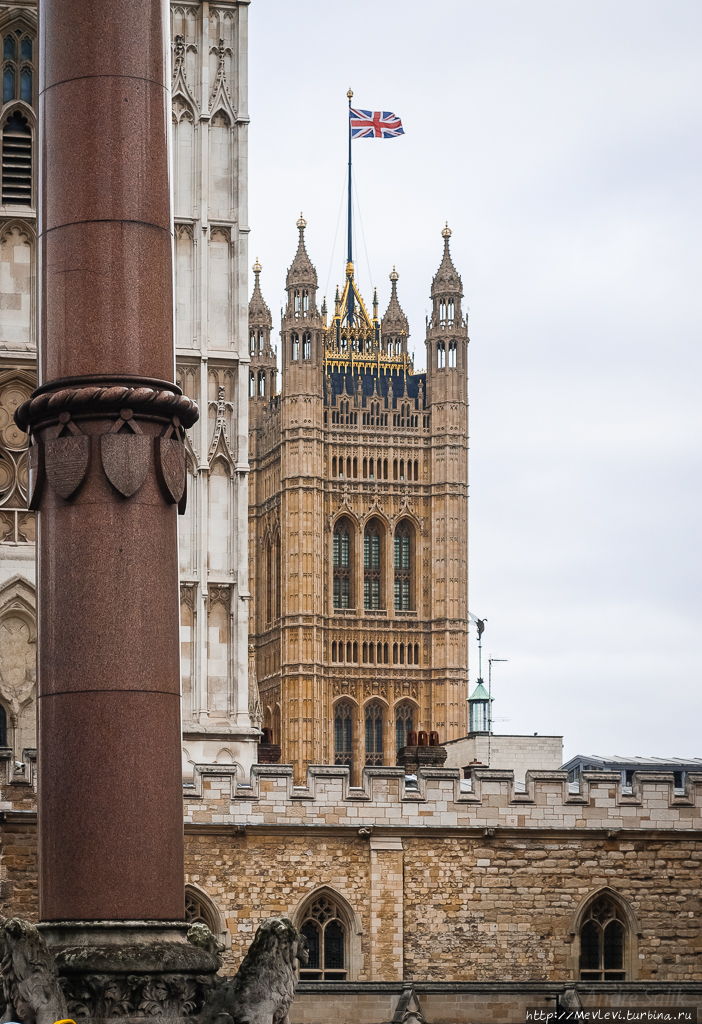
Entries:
{"x":342,"y":564}
{"x":343,"y":733}
{"x":404,"y":724}
{"x":403,"y":568}
{"x":602,"y":942}
{"x":374,"y":734}
{"x":372,"y":551}
{"x":326,"y":936}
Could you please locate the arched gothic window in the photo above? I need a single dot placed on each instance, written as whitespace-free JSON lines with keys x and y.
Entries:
{"x":342,"y":561}
{"x":295,"y":347}
{"x":603,"y":942}
{"x":260,"y":341}
{"x":404,"y":724}
{"x":305,"y":301}
{"x":16,"y":161}
{"x":372,"y":562}
{"x":452,"y":354}
{"x":252,"y":342}
{"x":296,"y":303}
{"x":199,"y":910}
{"x":252,"y":384}
{"x":17,"y":67}
{"x":403,"y":567}
{"x":306,"y":345}
{"x":261,"y":383}
{"x":441,"y":354}
{"x":374,"y":734}
{"x":327,"y":942}
{"x":343,"y":733}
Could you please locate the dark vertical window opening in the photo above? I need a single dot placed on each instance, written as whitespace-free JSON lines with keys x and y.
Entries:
{"x":374,"y":734}
{"x":342,"y":566}
{"x":372,"y":567}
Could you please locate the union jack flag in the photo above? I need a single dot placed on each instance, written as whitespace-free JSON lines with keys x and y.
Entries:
{"x":374,"y":124}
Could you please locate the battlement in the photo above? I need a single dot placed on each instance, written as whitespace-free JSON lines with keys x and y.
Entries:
{"x":440,"y":798}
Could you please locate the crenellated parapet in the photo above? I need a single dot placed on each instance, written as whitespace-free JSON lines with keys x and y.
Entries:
{"x":440,"y":798}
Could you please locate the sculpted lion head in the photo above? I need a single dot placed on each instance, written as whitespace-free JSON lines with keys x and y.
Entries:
{"x":264,"y":988}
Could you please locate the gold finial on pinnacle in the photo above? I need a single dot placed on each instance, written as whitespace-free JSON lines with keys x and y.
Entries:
{"x":257,"y":267}
{"x":302,"y":223}
{"x":394,"y":276}
{"x":350,"y":94}
{"x":349,"y":269}
{"x":446,"y":233}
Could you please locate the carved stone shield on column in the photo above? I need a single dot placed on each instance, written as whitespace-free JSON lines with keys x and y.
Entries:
{"x":66,"y":460}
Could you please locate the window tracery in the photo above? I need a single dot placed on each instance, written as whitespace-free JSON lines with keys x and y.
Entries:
{"x":602,"y":942}
{"x":372,"y":561}
{"x":374,"y":734}
{"x":16,"y":161}
{"x":17,"y":67}
{"x":403,"y":567}
{"x":342,"y":561}
{"x":343,"y":733}
{"x":404,"y":724}
{"x":199,"y":910}
{"x":327,"y":942}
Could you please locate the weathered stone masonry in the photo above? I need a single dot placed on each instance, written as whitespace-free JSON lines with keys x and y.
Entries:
{"x":440,"y":884}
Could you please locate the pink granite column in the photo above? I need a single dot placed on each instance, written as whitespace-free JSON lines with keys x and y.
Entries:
{"x":107,"y":469}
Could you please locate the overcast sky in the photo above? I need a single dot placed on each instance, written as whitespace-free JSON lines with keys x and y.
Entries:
{"x":561,"y":142}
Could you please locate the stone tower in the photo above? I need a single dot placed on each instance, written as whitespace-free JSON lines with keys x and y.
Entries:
{"x":358,"y":540}
{"x":209,"y":133}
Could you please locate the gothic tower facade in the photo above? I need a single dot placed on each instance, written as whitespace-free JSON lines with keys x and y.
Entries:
{"x":210,"y":120}
{"x":358,"y":525}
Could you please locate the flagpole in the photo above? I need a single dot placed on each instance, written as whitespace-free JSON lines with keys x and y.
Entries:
{"x":350,"y":250}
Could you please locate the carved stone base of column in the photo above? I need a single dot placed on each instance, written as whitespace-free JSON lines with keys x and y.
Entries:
{"x":125,"y":970}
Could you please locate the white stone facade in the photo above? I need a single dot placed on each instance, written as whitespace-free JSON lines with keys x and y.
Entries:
{"x":506,"y":753}
{"x":209,"y":174}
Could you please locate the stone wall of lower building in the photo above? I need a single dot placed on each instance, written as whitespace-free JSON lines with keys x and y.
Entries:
{"x":433,"y":885}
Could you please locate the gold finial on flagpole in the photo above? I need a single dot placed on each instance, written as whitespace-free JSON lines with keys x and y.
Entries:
{"x":350,"y":94}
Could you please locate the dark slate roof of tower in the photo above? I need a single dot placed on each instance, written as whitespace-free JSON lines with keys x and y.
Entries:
{"x":394,"y":321}
{"x":447,"y":279}
{"x":301,"y":271}
{"x":338,"y":379}
{"x":259,"y":313}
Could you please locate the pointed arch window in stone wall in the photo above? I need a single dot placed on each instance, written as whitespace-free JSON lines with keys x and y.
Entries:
{"x":441,"y":355}
{"x":403,"y":567}
{"x":199,"y":910}
{"x":372,"y":561}
{"x":452,"y":355}
{"x":295,"y":344}
{"x":343,"y":733}
{"x":16,"y":161}
{"x":374,"y":734}
{"x":306,"y":346}
{"x":326,"y":935}
{"x":404,"y":724}
{"x":342,"y":564}
{"x":18,"y":68}
{"x":602,"y":942}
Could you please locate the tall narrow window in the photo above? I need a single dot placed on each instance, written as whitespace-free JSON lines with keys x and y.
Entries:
{"x":252,"y":384}
{"x":403,"y":567}
{"x":326,"y":936}
{"x":17,"y":161}
{"x":452,"y":354}
{"x":602,"y":942}
{"x":306,"y":346}
{"x":372,"y":548}
{"x":3,"y":727}
{"x":295,"y":347}
{"x":441,"y":355}
{"x":342,"y":564}
{"x":374,"y":734}
{"x":261,"y":383}
{"x":343,"y":733}
{"x":404,"y":724}
{"x":18,"y":70}
{"x":252,"y":342}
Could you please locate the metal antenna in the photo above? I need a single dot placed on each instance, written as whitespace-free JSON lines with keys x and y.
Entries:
{"x":490,"y":661}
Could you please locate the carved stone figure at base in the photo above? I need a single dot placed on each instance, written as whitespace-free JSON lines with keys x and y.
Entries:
{"x":264,"y":987}
{"x":29,"y":977}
